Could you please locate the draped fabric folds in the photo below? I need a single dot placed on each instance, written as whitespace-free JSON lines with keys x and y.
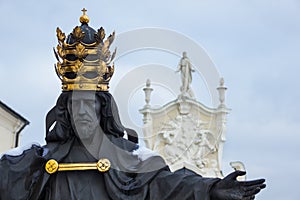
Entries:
{"x":23,"y":177}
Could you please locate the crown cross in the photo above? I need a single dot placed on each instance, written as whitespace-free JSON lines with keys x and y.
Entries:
{"x":84,"y":10}
{"x":84,"y":18}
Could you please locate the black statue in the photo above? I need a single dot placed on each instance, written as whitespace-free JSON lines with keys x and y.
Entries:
{"x":84,"y":128}
{"x":88,"y":128}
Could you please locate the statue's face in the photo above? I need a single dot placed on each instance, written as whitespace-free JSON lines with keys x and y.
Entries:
{"x":85,"y":114}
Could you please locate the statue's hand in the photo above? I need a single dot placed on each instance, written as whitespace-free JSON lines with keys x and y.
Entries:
{"x":231,"y":189}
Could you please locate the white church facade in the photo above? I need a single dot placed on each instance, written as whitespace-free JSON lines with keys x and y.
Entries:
{"x":11,"y":125}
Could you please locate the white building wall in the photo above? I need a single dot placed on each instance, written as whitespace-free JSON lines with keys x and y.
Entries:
{"x":9,"y":126}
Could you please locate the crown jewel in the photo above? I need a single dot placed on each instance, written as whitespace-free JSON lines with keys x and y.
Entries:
{"x":84,"y":58}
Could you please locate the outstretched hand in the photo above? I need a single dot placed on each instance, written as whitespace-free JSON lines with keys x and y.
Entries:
{"x":230,"y":188}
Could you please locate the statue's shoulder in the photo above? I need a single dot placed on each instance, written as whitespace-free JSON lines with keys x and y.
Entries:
{"x":19,"y":152}
{"x":21,"y":166}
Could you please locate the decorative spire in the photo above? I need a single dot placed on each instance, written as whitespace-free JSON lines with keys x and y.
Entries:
{"x":84,"y":19}
{"x":147,"y":91}
{"x":222,"y":90}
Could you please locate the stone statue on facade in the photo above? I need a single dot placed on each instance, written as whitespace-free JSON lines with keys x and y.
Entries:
{"x":185,"y":68}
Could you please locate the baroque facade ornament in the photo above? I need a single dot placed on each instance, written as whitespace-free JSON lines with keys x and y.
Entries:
{"x":184,"y":131}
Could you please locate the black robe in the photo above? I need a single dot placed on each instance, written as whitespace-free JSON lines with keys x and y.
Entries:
{"x":24,"y":177}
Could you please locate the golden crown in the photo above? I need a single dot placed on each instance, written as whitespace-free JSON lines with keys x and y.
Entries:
{"x":84,"y":58}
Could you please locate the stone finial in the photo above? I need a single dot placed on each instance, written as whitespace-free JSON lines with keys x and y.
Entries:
{"x":148,"y":83}
{"x":147,"y":91}
{"x":222,"y":81}
{"x":222,"y":90}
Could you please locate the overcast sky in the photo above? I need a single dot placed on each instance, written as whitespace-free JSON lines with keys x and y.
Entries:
{"x":255,"y":46}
